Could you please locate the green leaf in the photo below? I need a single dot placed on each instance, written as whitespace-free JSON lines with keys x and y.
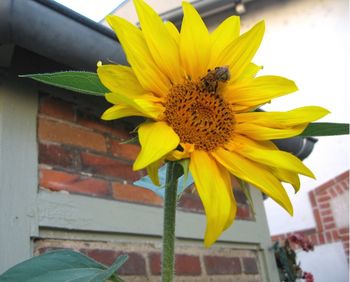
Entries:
{"x":61,"y":266}
{"x":134,"y":140}
{"x":325,"y":129}
{"x":113,"y":268}
{"x":78,"y":81}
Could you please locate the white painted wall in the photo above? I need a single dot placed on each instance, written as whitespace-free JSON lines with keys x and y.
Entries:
{"x":327,"y":263}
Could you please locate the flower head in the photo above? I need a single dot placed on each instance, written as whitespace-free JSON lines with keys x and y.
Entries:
{"x":198,"y":91}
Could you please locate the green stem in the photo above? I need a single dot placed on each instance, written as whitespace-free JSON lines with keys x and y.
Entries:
{"x":169,"y":223}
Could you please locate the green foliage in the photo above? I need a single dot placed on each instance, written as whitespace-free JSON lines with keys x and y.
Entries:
{"x":62,"y":266}
{"x":78,"y":81}
{"x":325,"y":129}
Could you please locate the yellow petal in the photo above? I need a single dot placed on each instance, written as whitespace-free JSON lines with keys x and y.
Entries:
{"x":194,"y":43}
{"x":240,"y":52}
{"x":260,"y":132}
{"x":157,"y":139}
{"x":277,"y":125}
{"x":173,"y":32}
{"x":118,"y":78}
{"x":163,"y":47}
{"x":267,"y":156}
{"x":254,"y":174}
{"x":213,"y":184}
{"x":257,"y":91}
{"x":152,"y":171}
{"x":288,"y":177}
{"x":139,"y":57}
{"x":250,"y":71}
{"x":144,"y":104}
{"x":176,"y":155}
{"x":282,"y":119}
{"x":120,"y":111}
{"x":222,"y":36}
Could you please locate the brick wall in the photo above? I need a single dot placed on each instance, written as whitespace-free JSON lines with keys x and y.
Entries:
{"x":330,"y":205}
{"x":80,"y":154}
{"x":193,"y":263}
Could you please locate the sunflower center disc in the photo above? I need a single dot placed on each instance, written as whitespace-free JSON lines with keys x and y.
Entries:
{"x":199,"y":115}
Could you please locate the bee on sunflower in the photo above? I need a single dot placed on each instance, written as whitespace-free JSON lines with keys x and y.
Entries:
{"x":198,"y":91}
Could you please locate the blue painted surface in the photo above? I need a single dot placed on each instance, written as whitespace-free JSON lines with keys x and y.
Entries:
{"x":146,"y":182}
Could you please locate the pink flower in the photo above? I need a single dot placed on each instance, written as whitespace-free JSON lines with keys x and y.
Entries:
{"x":308,"y":277}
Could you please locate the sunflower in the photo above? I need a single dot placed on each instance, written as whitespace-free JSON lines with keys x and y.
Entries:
{"x":198,"y":91}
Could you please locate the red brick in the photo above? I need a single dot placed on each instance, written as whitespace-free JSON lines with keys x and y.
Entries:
{"x":114,"y":128}
{"x":333,"y":192}
{"x":326,"y":212}
{"x":327,"y":219}
{"x":243,"y":212}
{"x":187,"y":265}
{"x":329,"y":237}
{"x":97,"y":164}
{"x":191,"y":202}
{"x":106,"y":257}
{"x":312,"y":199}
{"x":324,"y":206}
{"x":309,"y":231}
{"x":56,"y":155}
{"x":335,"y":235}
{"x":318,"y":220}
{"x":222,"y":265}
{"x":135,"y":265}
{"x":345,"y":185}
{"x":59,"y":180}
{"x":126,"y":192}
{"x":344,"y":230}
{"x":325,"y":186}
{"x":126,"y":151}
{"x":321,"y":238}
{"x":329,"y":226}
{"x":250,"y":266}
{"x":66,"y":133}
{"x":57,"y":108}
{"x":339,"y":189}
{"x":345,"y":238}
{"x":343,"y":176}
{"x":184,"y":264}
{"x":323,"y":199}
{"x":154,"y":262}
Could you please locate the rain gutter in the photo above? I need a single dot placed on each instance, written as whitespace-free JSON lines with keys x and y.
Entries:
{"x":58,"y":33}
